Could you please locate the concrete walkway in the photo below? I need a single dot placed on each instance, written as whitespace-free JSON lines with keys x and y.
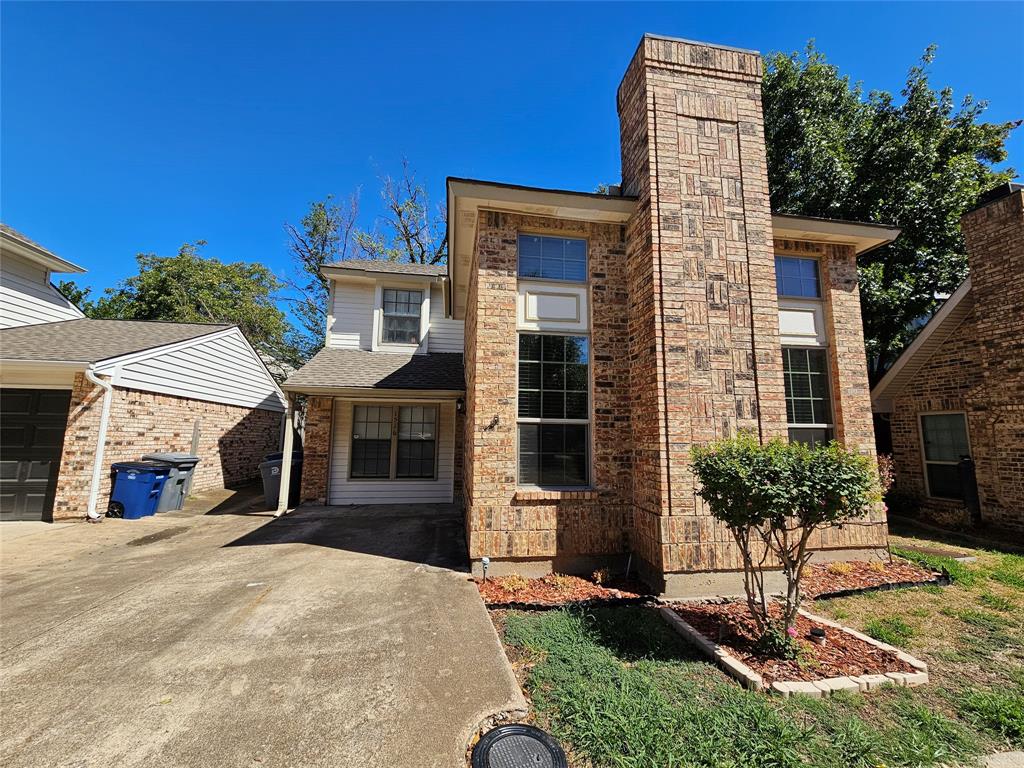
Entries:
{"x":328,"y":638}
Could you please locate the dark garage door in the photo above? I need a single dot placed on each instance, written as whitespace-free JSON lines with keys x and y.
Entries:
{"x":32,"y":423}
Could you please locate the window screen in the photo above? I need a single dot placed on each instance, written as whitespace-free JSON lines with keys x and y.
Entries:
{"x":553,"y":376}
{"x":553,"y":454}
{"x":808,"y":400}
{"x":553,"y":258}
{"x":401,"y":316}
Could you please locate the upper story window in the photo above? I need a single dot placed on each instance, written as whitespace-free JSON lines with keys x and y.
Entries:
{"x":401,"y":316}
{"x":553,"y":258}
{"x":797,"y":277}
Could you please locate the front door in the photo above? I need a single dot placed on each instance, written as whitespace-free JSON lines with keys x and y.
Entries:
{"x":32,"y":424}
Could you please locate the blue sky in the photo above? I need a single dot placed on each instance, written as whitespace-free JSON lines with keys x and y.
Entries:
{"x":137,"y":127}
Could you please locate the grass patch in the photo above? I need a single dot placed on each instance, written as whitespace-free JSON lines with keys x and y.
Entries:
{"x":622,"y":690}
{"x":889,"y":629}
{"x":1001,"y":713}
{"x":996,"y":602}
{"x":958,"y":572}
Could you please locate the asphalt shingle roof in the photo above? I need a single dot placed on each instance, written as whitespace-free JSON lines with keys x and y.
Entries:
{"x":390,"y":267}
{"x":337,"y":368}
{"x":89,"y":341}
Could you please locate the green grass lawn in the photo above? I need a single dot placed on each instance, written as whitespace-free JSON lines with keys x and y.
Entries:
{"x":619,"y":688}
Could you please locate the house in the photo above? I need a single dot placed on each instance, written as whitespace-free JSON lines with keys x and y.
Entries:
{"x":553,"y":376}
{"x":77,"y":394}
{"x":955,"y":397}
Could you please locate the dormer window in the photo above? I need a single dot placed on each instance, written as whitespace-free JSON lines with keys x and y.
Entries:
{"x":401,"y":316}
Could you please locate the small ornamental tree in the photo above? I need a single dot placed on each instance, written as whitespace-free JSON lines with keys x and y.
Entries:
{"x":772,"y":498}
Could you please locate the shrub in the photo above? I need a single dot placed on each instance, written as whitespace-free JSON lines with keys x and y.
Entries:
{"x":559,"y":581}
{"x":601,"y":576}
{"x":886,"y":472}
{"x":772,"y":498}
{"x":515,"y":583}
{"x":839,"y":568}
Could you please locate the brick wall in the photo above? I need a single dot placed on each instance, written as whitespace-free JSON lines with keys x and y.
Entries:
{"x":316,"y":447}
{"x":705,"y":360}
{"x":979,"y":370}
{"x":705,"y":356}
{"x":233,"y":440}
{"x":504,"y":523}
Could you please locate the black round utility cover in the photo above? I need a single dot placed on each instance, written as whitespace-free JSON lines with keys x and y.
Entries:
{"x":518,"y":746}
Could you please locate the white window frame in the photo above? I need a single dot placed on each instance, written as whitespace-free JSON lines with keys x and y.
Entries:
{"x":587,"y":422}
{"x":925,"y":461}
{"x":829,"y":426}
{"x":379,"y":345}
{"x":393,"y":456}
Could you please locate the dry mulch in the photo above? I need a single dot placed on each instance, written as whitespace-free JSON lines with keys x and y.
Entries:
{"x":555,"y":590}
{"x":729,"y":625}
{"x":829,"y":579}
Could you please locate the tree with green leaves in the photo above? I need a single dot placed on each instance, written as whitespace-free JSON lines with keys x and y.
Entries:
{"x":410,"y":230}
{"x":191,"y":288}
{"x":918,"y":163}
{"x":772,"y":497}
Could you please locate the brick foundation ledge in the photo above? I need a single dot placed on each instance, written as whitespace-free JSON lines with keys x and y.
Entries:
{"x":816,"y":689}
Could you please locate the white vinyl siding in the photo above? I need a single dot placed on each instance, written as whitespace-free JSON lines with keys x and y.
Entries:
{"x":352,"y":314}
{"x":26,"y":296}
{"x":223,"y":369}
{"x":444,"y":334}
{"x":344,"y":490}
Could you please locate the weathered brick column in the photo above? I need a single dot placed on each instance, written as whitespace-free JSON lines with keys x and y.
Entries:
{"x":705,"y":359}
{"x":316,"y":449}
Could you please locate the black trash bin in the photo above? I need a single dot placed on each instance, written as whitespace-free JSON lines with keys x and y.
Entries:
{"x":179,"y":482}
{"x":270,"y":470}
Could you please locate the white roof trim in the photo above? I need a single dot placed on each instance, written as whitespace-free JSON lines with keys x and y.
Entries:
{"x":889,"y":386}
{"x":37,"y":254}
{"x":864,"y":237}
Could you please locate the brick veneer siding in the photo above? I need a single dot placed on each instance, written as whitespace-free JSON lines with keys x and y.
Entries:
{"x":979,"y":370}
{"x":502,"y":522}
{"x":233,"y":440}
{"x":705,"y":355}
{"x":316,"y":449}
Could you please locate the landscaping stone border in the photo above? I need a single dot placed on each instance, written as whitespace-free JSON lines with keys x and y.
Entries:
{"x":753,"y":681}
{"x":941,"y":580}
{"x":610,"y":602}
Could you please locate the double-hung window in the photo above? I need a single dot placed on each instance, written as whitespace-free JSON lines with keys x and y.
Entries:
{"x":554,"y":410}
{"x":401,"y":316}
{"x":805,"y":367}
{"x":394,"y":441}
{"x":808,"y":404}
{"x":945,"y":443}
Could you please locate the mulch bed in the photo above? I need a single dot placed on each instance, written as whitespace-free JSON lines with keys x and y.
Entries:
{"x":557,"y":590}
{"x":729,"y":625}
{"x":847,"y":578}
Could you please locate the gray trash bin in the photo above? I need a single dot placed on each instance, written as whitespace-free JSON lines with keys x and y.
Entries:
{"x":270,"y":470}
{"x":179,"y":482}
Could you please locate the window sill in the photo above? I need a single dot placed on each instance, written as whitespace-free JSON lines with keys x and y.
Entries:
{"x":545,"y":494}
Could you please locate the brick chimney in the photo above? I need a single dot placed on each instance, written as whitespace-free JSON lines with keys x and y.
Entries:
{"x":701,"y":279}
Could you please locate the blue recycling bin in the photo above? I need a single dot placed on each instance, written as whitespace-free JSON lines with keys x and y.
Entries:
{"x":137,"y":488}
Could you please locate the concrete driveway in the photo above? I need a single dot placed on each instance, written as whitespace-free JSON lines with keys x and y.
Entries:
{"x":331,"y":637}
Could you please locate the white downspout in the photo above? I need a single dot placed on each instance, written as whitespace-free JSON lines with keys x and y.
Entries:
{"x":101,"y":441}
{"x":286,"y":457}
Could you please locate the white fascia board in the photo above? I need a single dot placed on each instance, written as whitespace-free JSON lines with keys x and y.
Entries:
{"x":38,"y":255}
{"x":368,"y":393}
{"x":862,"y":236}
{"x":881,"y":398}
{"x":371,"y":275}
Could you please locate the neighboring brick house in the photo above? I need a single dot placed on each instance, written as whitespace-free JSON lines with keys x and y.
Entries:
{"x":957,"y":392}
{"x":173,"y":387}
{"x":577,"y":345}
